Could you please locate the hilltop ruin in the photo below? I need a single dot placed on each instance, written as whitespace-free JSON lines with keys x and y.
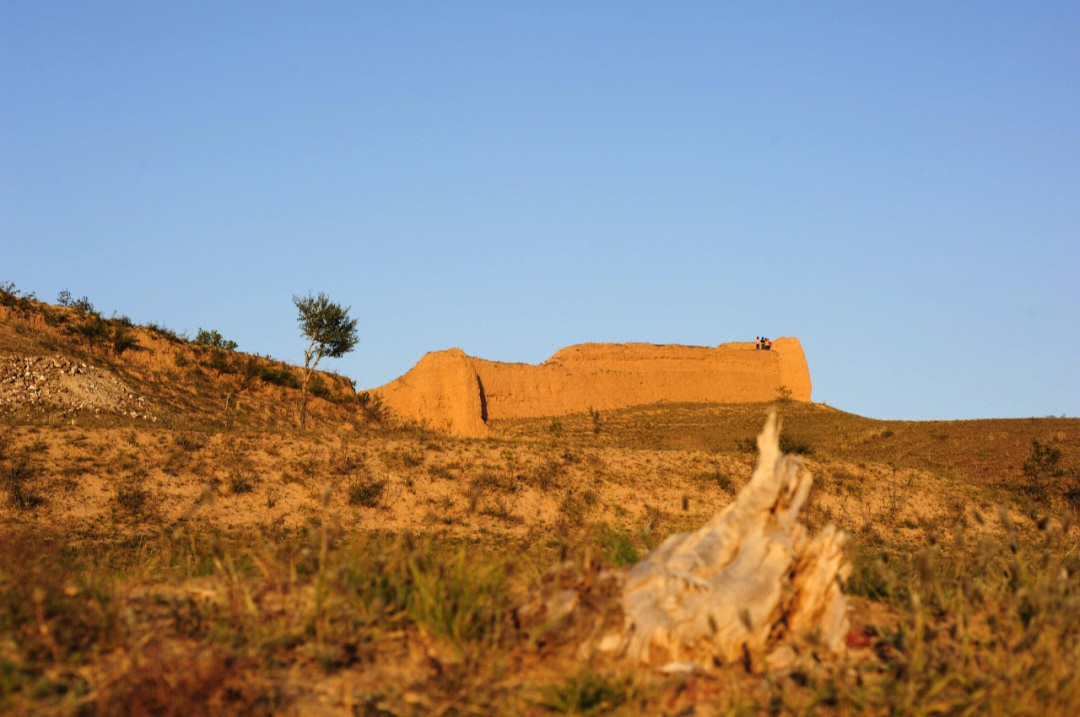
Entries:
{"x":452,"y":391}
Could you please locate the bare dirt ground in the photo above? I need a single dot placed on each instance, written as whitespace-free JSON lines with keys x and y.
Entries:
{"x":215,"y":559}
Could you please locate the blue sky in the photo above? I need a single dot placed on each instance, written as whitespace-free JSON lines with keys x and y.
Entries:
{"x":897,"y":184}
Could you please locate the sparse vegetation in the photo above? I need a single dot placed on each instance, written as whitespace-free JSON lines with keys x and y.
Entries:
{"x":203,"y":566}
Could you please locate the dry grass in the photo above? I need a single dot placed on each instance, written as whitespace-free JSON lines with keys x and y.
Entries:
{"x":213,"y":564}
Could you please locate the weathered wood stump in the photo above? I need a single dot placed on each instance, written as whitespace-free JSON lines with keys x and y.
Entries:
{"x":748,"y":586}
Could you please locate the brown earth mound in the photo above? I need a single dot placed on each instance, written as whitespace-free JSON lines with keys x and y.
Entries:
{"x":459,"y":393}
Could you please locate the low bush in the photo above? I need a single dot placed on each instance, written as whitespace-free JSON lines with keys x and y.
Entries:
{"x":279,"y":376}
{"x":213,"y":339}
{"x":122,"y":340}
{"x":372,"y":407}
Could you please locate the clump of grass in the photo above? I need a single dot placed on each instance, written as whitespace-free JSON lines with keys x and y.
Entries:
{"x":446,"y":590}
{"x":456,"y":597}
{"x":845,"y":481}
{"x":797,"y":446}
{"x":497,"y":508}
{"x":555,"y":428}
{"x":402,"y":458}
{"x":367,"y":492}
{"x":132,"y":497}
{"x":714,"y":476}
{"x":618,"y":546}
{"x":15,"y":477}
{"x":240,"y":482}
{"x":587,"y":692}
{"x":440,"y":470}
{"x":545,"y":475}
{"x":575,"y":503}
{"x":55,"y":611}
{"x":496,"y":481}
{"x":165,"y":333}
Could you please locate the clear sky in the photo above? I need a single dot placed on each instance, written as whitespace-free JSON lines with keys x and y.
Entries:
{"x":897,"y":184}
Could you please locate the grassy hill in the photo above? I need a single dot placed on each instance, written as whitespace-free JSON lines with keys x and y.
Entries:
{"x":172,"y":543}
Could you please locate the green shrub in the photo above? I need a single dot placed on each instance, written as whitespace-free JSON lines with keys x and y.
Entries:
{"x":317,"y":387}
{"x":219,"y":361}
{"x":122,"y":340}
{"x":214,"y":340}
{"x":1042,"y":462}
{"x":279,"y":376}
{"x":93,"y":329}
{"x":82,"y":304}
{"x":372,"y":407}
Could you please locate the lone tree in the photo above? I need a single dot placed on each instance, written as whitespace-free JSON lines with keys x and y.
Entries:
{"x":330,"y":332}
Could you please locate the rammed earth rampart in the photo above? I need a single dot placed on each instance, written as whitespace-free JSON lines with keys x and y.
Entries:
{"x":452,"y":391}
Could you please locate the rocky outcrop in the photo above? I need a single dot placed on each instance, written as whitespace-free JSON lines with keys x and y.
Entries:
{"x":57,"y":381}
{"x":452,"y":391}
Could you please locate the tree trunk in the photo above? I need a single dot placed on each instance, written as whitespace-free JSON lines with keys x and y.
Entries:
{"x":309,"y":366}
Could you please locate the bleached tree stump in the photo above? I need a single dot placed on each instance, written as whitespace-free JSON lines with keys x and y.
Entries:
{"x":746,"y":586}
